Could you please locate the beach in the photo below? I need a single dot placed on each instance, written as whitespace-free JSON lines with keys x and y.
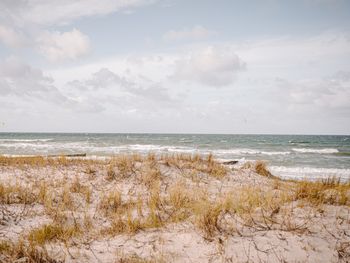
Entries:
{"x":161,"y":131}
{"x":171,"y":207}
{"x":295,"y":157}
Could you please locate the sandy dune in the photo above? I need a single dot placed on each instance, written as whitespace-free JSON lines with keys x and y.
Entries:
{"x":166,"y":209}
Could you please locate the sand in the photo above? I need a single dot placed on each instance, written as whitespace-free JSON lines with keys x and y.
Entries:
{"x":295,"y":230}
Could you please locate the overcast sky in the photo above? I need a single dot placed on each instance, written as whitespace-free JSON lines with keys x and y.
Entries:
{"x":175,"y":66}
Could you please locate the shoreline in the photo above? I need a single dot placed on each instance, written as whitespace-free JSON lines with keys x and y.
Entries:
{"x":168,"y":208}
{"x":300,"y":173}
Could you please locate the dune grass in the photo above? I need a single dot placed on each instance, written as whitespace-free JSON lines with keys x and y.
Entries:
{"x":16,"y":194}
{"x":50,"y":232}
{"x":43,"y":161}
{"x":159,"y":191}
{"x":23,"y":252}
{"x":329,"y":191}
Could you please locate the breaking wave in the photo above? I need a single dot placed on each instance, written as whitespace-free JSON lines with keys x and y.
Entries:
{"x":310,"y":173}
{"x":320,"y":151}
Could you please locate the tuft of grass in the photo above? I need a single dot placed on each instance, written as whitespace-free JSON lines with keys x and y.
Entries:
{"x":42,"y":161}
{"x":23,"y":161}
{"x":155,"y":207}
{"x":111,"y":174}
{"x":196,"y":164}
{"x":50,"y":232}
{"x":67,"y":200}
{"x":207,"y":217}
{"x":179,"y":196}
{"x":329,"y":191}
{"x":77,"y":187}
{"x":125,"y":165}
{"x":22,"y":252}
{"x":120,"y":225}
{"x":91,"y":172}
{"x":137,"y":259}
{"x":260,"y":167}
{"x":5,"y":246}
{"x":111,"y":202}
{"x":151,"y":175}
{"x":17,"y":194}
{"x":216,"y":170}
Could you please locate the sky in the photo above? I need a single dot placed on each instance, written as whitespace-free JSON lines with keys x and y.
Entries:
{"x":175,"y":66}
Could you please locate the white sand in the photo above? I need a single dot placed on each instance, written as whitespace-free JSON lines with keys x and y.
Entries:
{"x":323,"y":237}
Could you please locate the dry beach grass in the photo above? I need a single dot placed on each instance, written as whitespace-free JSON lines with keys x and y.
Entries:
{"x":171,"y":208}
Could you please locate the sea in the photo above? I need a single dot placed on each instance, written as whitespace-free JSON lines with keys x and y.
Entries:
{"x":310,"y":157}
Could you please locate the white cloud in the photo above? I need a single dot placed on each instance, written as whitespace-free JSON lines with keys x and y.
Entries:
{"x":195,"y":33}
{"x":22,"y":80}
{"x":312,"y":98}
{"x":56,"y":46}
{"x":330,"y":93}
{"x":292,"y":53}
{"x":51,"y":12}
{"x":116,"y":86}
{"x":11,"y":38}
{"x":212,"y":66}
{"x":29,"y":18}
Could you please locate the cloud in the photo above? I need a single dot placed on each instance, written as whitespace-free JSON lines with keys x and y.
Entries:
{"x":11,"y":38}
{"x":22,"y":80}
{"x":56,"y":46}
{"x":195,"y":33}
{"x":330,"y":94}
{"x":287,"y":51}
{"x":212,"y":66}
{"x":24,"y":84}
{"x":59,"y":12}
{"x":105,"y":78}
{"x":115,"y":86}
{"x":22,"y":23}
{"x":102,"y":79}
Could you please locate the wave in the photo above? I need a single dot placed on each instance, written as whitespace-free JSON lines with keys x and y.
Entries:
{"x":299,"y":142}
{"x":25,"y":140}
{"x":54,"y":147}
{"x":185,"y":140}
{"x":31,"y":146}
{"x":310,"y":173}
{"x":310,"y":150}
{"x":248,"y":152}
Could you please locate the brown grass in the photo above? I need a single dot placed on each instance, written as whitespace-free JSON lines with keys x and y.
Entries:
{"x":329,"y":191}
{"x":152,"y":199}
{"x":125,"y":165}
{"x":120,"y":225}
{"x":137,"y":259}
{"x":207,"y":217}
{"x":42,"y":161}
{"x":16,"y":194}
{"x":22,"y":252}
{"x":50,"y":232}
{"x":111,"y":202}
{"x":195,"y":164}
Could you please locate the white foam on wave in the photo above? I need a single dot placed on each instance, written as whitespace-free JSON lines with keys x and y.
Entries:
{"x":47,"y":146}
{"x":154,"y":147}
{"x":32,"y":147}
{"x":18,"y":155}
{"x":91,"y":148}
{"x":247,"y":152}
{"x":310,"y":150}
{"x":25,"y":140}
{"x":310,"y":173}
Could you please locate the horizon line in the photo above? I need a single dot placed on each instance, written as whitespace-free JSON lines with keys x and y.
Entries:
{"x":170,"y":133}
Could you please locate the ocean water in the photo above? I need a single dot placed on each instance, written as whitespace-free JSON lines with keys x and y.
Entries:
{"x":288,"y":156}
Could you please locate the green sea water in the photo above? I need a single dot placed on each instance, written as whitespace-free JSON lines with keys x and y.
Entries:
{"x":289,"y":156}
